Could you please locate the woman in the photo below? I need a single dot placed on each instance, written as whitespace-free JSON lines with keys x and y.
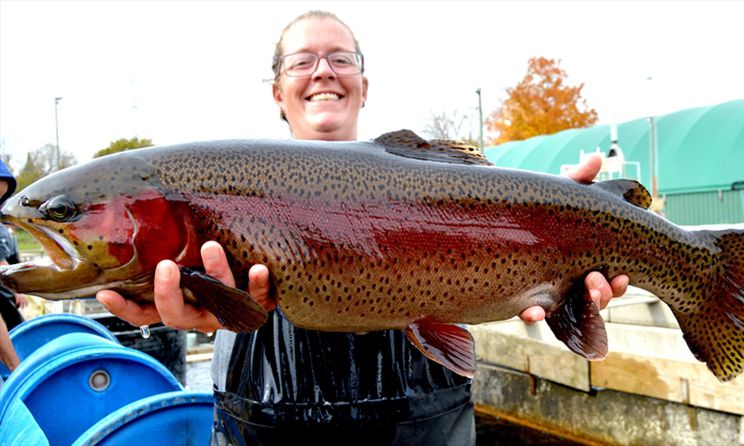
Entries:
{"x":283,"y":384}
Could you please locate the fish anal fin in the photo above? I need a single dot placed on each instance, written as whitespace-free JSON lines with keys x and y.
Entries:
{"x":578,"y":324}
{"x":447,"y":344}
{"x":632,"y":191}
{"x":408,"y":144}
{"x":235,"y":309}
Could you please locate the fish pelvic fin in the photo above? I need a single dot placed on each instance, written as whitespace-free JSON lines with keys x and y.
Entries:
{"x":235,"y":309}
{"x":408,"y":144}
{"x":714,"y":331}
{"x":448,"y":344}
{"x":578,"y":324}
{"x":632,"y":191}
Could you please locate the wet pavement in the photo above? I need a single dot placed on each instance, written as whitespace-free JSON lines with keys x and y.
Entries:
{"x":198,"y":377}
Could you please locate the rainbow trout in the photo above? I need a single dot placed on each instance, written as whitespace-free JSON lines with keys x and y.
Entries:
{"x":396,"y":233}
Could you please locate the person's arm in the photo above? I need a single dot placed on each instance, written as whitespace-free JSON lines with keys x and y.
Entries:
{"x":8,"y":354}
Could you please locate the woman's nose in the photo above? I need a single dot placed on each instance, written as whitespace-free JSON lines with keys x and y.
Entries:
{"x":323,"y":69}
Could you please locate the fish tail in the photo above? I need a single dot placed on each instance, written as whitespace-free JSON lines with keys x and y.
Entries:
{"x":714,"y":331}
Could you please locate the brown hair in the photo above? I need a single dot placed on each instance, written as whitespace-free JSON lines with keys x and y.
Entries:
{"x":279,"y":50}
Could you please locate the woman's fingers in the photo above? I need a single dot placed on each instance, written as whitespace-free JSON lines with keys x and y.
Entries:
{"x":128,"y":310}
{"x":532,"y":315}
{"x":169,"y":300}
{"x":259,"y":286}
{"x":215,"y":263}
{"x":586,"y":171}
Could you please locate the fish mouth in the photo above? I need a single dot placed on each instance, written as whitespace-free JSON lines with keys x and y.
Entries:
{"x":64,"y":274}
{"x":60,"y":251}
{"x":45,"y":279}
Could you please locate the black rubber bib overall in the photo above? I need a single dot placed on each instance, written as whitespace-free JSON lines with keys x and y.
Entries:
{"x":286,"y":385}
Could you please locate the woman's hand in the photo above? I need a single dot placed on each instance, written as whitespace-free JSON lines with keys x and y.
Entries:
{"x":599,"y":290}
{"x":169,"y":306}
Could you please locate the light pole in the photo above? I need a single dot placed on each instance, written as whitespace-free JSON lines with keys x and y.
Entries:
{"x":56,"y":131}
{"x":652,"y":156}
{"x":653,"y":145}
{"x":480,"y":120}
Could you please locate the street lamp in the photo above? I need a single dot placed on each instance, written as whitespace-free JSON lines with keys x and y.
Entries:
{"x":56,"y":130}
{"x":480,"y":120}
{"x":653,"y":144}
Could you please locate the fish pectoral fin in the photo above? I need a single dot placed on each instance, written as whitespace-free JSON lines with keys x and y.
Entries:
{"x":579,"y":325}
{"x":235,"y":309}
{"x":632,"y":191}
{"x":448,"y":344}
{"x":408,"y":144}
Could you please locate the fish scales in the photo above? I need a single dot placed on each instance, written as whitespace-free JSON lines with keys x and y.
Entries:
{"x":347,"y":289}
{"x":358,"y":237}
{"x":427,"y":220}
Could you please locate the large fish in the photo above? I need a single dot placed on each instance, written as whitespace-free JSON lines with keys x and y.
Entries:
{"x":397,"y":233}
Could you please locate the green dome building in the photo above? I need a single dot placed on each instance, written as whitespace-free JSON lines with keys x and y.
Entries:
{"x":698,"y":159}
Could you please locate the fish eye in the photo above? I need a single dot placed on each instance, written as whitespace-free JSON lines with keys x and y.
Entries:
{"x":60,"y":209}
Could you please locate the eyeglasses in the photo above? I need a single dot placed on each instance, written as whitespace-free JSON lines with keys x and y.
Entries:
{"x":343,"y":63}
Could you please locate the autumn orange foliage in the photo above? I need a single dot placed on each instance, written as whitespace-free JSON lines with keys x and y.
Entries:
{"x":541,"y":104}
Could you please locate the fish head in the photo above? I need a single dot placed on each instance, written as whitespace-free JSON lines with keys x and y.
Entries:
{"x":103,"y":225}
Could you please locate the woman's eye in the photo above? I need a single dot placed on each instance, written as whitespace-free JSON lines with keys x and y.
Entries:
{"x":342,"y":60}
{"x":300,"y":61}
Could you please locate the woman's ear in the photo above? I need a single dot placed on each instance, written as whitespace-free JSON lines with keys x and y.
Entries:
{"x":278,"y":96}
{"x":365,"y":85}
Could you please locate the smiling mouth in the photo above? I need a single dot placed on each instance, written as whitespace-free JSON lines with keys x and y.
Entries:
{"x":319,"y":97}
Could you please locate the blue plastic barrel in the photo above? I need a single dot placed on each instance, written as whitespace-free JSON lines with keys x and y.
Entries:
{"x":76,"y":380}
{"x":175,"y":418}
{"x":25,"y":429}
{"x":32,"y":334}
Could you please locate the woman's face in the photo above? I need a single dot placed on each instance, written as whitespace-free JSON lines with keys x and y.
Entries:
{"x":324,"y":105}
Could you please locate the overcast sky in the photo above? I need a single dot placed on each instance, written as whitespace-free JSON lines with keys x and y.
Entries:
{"x":179,"y":71}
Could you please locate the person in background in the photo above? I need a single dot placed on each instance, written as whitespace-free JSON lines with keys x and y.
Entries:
{"x":8,"y":355}
{"x":7,"y":352}
{"x":286,"y":385}
{"x":10,"y":302}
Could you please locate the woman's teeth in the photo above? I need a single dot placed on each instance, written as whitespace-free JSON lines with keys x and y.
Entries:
{"x":324,"y":97}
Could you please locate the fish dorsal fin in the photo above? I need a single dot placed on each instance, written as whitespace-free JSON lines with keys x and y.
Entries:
{"x":631,"y":190}
{"x":448,"y":344}
{"x":410,"y":145}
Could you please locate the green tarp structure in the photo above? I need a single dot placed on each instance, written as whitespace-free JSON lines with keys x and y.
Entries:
{"x":699,"y":149}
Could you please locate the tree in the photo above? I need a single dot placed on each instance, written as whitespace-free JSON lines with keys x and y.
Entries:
{"x":5,"y":156}
{"x":541,"y":104}
{"x":448,"y":126}
{"x":123,"y":144}
{"x":42,"y":162}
